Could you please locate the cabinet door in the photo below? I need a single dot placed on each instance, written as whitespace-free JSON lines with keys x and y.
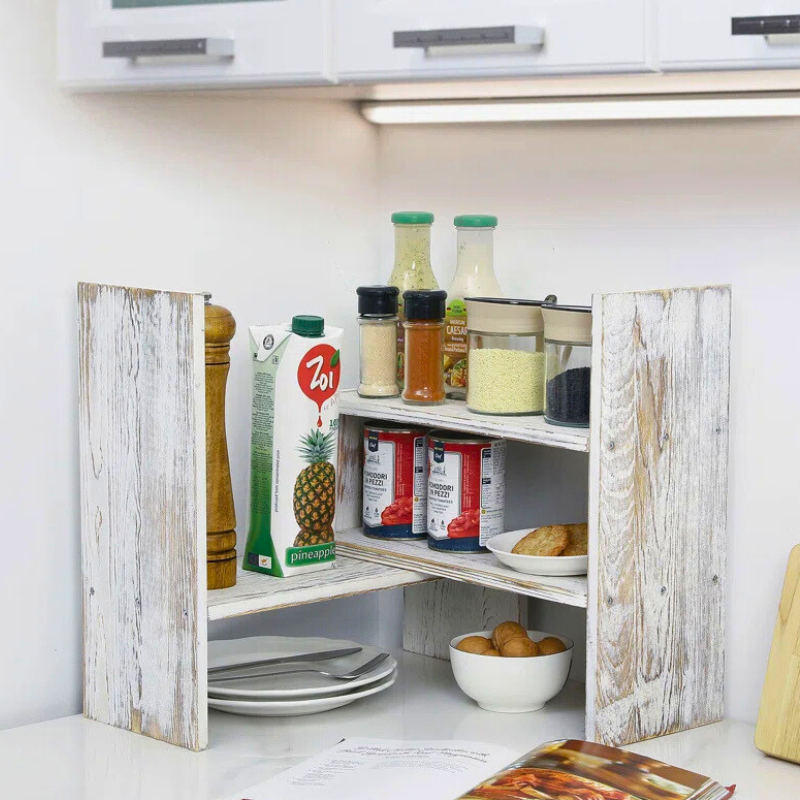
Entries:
{"x":193,"y":43}
{"x":729,"y":34}
{"x":430,"y":39}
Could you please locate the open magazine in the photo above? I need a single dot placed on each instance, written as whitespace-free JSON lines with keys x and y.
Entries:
{"x":365,"y":769}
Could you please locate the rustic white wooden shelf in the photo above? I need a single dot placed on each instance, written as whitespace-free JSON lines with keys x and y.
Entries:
{"x":455,"y":416}
{"x":255,"y":592}
{"x":481,"y":569}
{"x":657,"y":510}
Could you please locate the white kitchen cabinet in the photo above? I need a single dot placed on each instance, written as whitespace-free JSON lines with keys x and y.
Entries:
{"x":729,"y":34}
{"x":188,"y":43}
{"x":377,"y":40}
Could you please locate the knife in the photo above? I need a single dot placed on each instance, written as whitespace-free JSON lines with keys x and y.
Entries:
{"x":323,"y":655}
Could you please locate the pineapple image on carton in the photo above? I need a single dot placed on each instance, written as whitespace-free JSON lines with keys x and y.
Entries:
{"x":294,"y":443}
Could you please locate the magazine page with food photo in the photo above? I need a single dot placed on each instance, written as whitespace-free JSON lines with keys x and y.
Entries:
{"x":577,"y":770}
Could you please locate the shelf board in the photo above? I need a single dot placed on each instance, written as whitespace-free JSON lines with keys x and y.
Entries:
{"x":454,"y":416}
{"x":255,"y":592}
{"x":482,"y":569}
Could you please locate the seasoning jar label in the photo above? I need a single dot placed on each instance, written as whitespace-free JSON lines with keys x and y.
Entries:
{"x":401,"y":349}
{"x":466,"y":490}
{"x":394,"y":488}
{"x":455,"y":348}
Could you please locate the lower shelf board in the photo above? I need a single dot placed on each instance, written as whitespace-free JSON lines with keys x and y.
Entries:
{"x":425,"y":703}
{"x":482,"y":569}
{"x":255,"y":592}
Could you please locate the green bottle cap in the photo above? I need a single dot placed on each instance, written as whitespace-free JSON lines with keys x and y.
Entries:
{"x":306,"y":325}
{"x":412,"y":218}
{"x":475,"y":221}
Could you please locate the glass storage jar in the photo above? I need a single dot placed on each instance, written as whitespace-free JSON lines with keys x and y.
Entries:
{"x":377,"y":339}
{"x":424,"y":329}
{"x":568,"y":365}
{"x":506,"y":360}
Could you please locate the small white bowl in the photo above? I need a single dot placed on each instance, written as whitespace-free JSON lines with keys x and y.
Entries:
{"x":511,"y":685}
{"x":502,"y":545}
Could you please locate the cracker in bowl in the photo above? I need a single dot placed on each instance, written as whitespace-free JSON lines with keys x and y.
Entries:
{"x":551,"y":540}
{"x":578,"y":540}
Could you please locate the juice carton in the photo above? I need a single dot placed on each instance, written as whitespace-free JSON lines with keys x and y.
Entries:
{"x":295,"y":427}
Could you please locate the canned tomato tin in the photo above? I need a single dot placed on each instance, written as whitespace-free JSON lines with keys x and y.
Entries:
{"x":466,"y":490}
{"x":394,"y":482}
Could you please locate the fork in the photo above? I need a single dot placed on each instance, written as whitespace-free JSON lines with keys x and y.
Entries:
{"x":342,"y":676}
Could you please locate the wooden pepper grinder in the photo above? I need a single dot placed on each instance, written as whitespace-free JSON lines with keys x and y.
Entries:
{"x":220,"y":514}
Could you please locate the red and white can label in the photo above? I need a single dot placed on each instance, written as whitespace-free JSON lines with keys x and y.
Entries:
{"x":395,"y":483}
{"x":466,"y":489}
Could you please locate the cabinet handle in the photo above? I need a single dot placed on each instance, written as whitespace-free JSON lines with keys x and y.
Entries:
{"x":502,"y":37}
{"x":169,"y":48}
{"x":780,"y":29}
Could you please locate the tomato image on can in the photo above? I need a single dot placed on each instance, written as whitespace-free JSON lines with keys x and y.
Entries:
{"x":466,"y":491}
{"x":395,"y":482}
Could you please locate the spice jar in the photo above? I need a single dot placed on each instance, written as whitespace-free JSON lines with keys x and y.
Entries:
{"x":412,"y":265}
{"x":506,"y":356}
{"x":377,"y":327}
{"x":568,"y":364}
{"x":424,"y":341}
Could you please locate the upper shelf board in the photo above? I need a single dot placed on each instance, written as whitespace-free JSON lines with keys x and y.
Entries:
{"x":255,"y":592}
{"x":482,"y":569}
{"x":454,"y":416}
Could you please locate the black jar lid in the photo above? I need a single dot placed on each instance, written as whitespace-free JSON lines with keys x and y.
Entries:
{"x":427,"y":304}
{"x":377,"y":301}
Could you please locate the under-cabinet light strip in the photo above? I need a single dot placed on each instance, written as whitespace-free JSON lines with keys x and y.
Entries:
{"x":681,"y":107}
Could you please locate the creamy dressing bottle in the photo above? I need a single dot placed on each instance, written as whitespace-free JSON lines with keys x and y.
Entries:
{"x":474,"y":277}
{"x":412,"y":267}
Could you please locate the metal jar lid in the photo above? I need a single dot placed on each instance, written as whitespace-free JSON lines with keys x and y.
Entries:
{"x":567,"y":324}
{"x":505,"y":315}
{"x":454,"y":437}
{"x":391,"y":427}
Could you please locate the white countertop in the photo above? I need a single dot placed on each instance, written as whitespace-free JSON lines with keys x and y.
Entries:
{"x":76,"y":759}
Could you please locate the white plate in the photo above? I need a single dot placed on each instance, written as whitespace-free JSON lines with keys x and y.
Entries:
{"x":296,"y":708}
{"x":502,"y":545}
{"x":228,"y":652}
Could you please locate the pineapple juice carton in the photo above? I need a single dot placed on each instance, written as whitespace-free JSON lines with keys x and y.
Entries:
{"x":295,"y":427}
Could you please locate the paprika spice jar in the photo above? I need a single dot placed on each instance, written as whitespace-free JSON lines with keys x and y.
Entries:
{"x":424,"y":346}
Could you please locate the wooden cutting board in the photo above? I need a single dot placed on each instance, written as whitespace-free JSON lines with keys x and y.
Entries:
{"x":778,"y":728}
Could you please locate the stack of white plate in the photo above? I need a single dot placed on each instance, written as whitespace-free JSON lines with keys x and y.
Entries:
{"x":297,"y":693}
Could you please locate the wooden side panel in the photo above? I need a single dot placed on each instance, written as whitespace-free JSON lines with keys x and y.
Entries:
{"x":658,"y":507}
{"x":349,"y":480}
{"x":436,"y":612}
{"x":142,"y":464}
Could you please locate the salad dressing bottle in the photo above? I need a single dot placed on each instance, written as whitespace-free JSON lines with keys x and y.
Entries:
{"x":412,"y":267}
{"x":474,"y":278}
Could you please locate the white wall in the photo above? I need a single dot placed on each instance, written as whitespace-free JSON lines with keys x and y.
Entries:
{"x":267,"y":205}
{"x":603,"y":207}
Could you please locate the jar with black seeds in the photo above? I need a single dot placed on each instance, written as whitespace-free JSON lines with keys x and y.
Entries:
{"x":568,"y":364}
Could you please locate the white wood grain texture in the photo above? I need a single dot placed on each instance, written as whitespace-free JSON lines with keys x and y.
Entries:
{"x":658,"y":508}
{"x":254,"y":592}
{"x":481,"y":569}
{"x":453,"y":415}
{"x":434,"y":613}
{"x":142,"y":466}
{"x":349,"y":480}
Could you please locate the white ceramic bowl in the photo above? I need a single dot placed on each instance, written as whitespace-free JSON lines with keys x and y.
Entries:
{"x":503,"y":544}
{"x":511,"y":685}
